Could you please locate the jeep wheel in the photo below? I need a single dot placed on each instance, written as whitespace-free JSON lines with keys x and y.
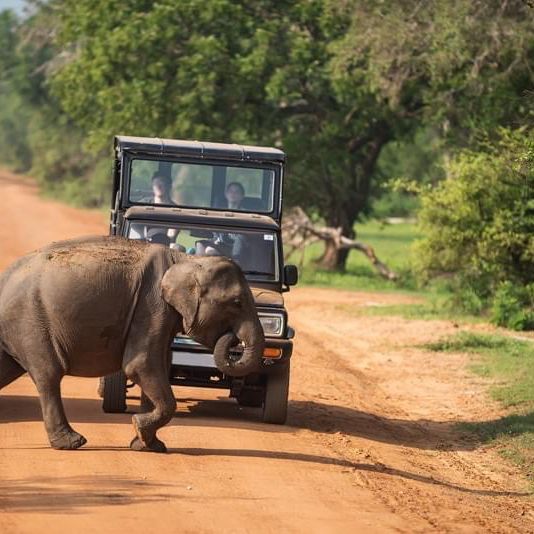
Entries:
{"x":276,"y":394}
{"x":251,"y":398}
{"x":114,"y":393}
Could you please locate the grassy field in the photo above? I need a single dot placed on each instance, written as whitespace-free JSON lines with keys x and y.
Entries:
{"x":391,"y":243}
{"x":509,"y":362}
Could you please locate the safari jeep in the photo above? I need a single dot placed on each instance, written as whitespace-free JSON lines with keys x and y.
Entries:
{"x":210,"y":198}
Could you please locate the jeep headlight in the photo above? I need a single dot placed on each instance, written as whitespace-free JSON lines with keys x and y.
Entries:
{"x":272,"y":323}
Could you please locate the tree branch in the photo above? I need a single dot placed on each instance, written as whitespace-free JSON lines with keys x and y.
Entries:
{"x":299,"y":232}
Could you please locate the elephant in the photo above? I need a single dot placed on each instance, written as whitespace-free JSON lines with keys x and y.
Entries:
{"x":92,"y":306}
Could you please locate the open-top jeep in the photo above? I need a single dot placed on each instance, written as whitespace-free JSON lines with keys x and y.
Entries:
{"x":211,"y":198}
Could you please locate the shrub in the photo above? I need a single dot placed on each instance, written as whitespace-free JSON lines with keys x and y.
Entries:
{"x":478,"y":225}
{"x":513,"y":306}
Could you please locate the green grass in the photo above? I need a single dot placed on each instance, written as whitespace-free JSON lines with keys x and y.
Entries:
{"x":510,"y":362}
{"x":391,"y":243}
{"x":434,"y":305}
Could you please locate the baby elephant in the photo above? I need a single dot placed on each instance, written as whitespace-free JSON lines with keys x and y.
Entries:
{"x":91,"y":306}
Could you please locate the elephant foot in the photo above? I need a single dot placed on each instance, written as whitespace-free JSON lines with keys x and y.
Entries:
{"x":155,"y":445}
{"x":69,"y":441}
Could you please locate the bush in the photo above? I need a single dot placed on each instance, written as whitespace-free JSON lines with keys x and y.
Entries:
{"x":479,"y":228}
{"x":513,"y":306}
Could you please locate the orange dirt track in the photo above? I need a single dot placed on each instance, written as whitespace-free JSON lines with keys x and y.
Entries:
{"x":370,"y":446}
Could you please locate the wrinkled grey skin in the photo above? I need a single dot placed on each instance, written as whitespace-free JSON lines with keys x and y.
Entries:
{"x":92,"y":306}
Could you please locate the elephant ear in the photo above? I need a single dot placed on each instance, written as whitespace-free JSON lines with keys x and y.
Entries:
{"x":180,"y":288}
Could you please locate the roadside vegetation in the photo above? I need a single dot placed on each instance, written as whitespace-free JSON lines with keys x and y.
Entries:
{"x":384,"y":111}
{"x":508,"y":363}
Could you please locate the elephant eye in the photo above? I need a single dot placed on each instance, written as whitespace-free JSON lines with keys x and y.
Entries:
{"x":237,"y":303}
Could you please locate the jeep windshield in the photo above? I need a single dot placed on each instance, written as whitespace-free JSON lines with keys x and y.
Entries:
{"x":255,"y":251}
{"x":243,"y":187}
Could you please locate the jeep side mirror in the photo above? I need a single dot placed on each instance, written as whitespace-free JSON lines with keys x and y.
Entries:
{"x":291,"y":275}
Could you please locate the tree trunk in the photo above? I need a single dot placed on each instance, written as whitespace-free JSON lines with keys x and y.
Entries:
{"x":334,"y":257}
{"x":331,"y":259}
{"x":344,"y":209}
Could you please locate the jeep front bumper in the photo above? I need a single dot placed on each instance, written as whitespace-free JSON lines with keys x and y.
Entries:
{"x":188,"y":354}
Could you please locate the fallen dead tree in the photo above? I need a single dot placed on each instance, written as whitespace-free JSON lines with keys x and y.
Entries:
{"x":299,"y":232}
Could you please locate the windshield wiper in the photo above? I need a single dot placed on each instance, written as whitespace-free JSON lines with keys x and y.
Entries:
{"x":264,"y":273}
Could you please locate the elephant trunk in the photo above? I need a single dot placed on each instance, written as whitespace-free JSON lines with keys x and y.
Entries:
{"x":249,"y":361}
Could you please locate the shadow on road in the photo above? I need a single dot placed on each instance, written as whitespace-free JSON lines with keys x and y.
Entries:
{"x":315,"y":416}
{"x":223,"y":412}
{"x":72,"y":494}
{"x":418,"y":433}
{"x":40,"y":494}
{"x":355,"y":466}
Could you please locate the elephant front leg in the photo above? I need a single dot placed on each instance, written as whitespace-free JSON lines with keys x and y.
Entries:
{"x":155,"y":385}
{"x":60,"y":433}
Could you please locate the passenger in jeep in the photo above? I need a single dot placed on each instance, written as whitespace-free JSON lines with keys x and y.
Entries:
{"x":226,"y":244}
{"x":161,"y":191}
{"x":234,"y":194}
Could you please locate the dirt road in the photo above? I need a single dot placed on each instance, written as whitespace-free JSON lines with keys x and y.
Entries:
{"x":371,"y":444}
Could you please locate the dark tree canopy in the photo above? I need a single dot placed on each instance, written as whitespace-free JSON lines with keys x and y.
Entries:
{"x":331,"y":82}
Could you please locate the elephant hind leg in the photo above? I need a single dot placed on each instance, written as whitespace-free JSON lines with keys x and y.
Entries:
{"x":10,"y":370}
{"x":60,"y":433}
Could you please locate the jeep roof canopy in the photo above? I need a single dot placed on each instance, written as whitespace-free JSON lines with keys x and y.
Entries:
{"x":175,"y":147}
{"x":198,"y":174}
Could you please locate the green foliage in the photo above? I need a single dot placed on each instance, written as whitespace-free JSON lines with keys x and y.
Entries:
{"x":14,"y":150}
{"x":35,"y":135}
{"x":331,"y":82}
{"x":395,"y":204}
{"x":478,"y":224}
{"x":356,"y":92}
{"x":426,"y":53}
{"x":416,"y":161}
{"x":513,"y":306}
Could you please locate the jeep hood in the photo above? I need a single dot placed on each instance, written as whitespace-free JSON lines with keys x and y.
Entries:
{"x":267,"y":297}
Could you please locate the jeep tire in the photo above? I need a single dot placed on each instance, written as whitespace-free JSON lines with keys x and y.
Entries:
{"x":114,"y":393}
{"x":252,"y":398}
{"x":276,"y":396}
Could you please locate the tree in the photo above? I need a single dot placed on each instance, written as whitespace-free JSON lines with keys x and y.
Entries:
{"x":332,"y":82}
{"x":13,"y":118}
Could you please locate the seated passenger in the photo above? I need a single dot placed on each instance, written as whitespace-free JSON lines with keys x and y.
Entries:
{"x":235,"y":199}
{"x":234,"y":195}
{"x":161,"y":191}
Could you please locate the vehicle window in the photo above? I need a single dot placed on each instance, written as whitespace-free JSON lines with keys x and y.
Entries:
{"x":197,"y":185}
{"x":254,"y":251}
